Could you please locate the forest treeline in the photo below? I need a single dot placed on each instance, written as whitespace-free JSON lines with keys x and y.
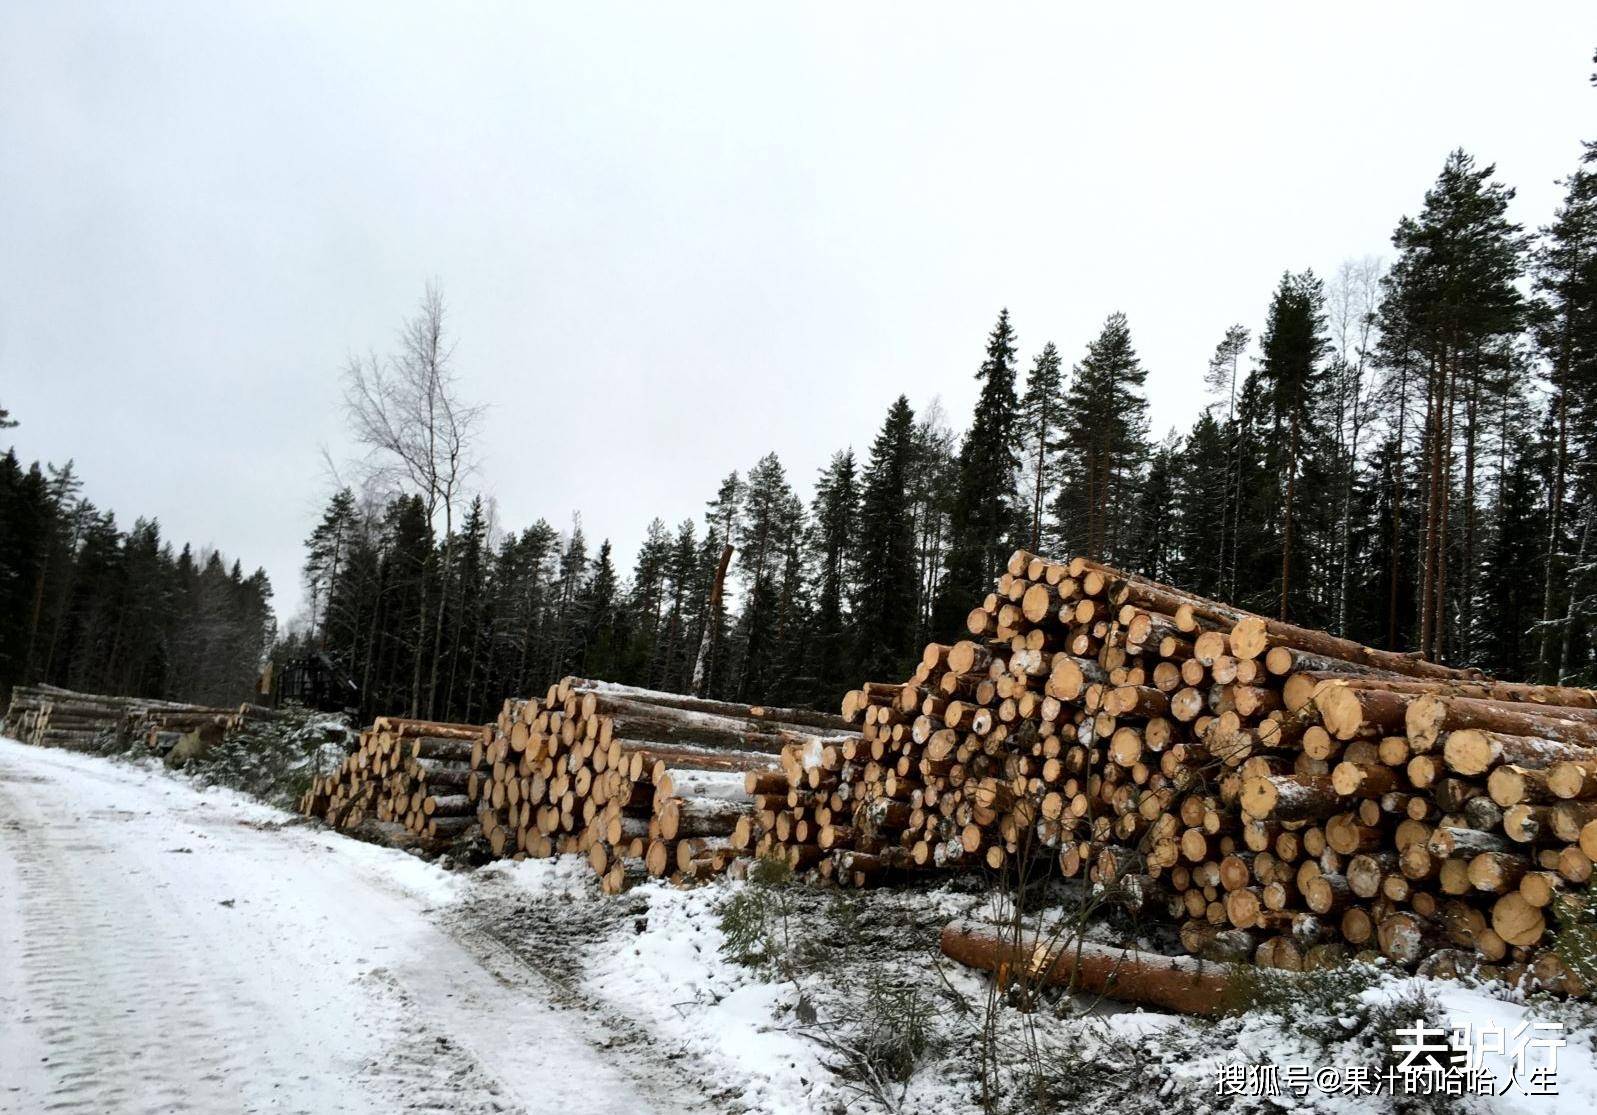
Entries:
{"x":1403,"y":452}
{"x":89,"y":606}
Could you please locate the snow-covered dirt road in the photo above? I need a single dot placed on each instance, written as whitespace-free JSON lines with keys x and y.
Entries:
{"x":163,"y":950}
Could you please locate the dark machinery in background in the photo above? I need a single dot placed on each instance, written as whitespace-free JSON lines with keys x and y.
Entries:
{"x":314,"y":681}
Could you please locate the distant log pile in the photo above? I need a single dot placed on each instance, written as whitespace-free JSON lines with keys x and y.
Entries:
{"x":1279,"y":792}
{"x":639,"y":782}
{"x":49,"y":716}
{"x":408,"y":772}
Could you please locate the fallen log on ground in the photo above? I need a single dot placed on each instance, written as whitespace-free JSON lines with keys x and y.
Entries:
{"x":1183,"y":984}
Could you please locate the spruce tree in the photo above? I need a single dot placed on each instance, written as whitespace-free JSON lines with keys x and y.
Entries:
{"x":770,"y":523}
{"x":599,"y":655}
{"x":1566,"y":330}
{"x":1105,"y":445}
{"x":1042,"y":413}
{"x":326,"y":549}
{"x":984,"y":514}
{"x":884,"y":601}
{"x":1283,"y":398}
{"x":1202,"y":481}
{"x":1509,"y":644}
{"x":569,"y":620}
{"x":679,"y":632}
{"x":834,"y":527}
{"x":646,"y":605}
{"x":1155,"y":523}
{"x":466,"y":617}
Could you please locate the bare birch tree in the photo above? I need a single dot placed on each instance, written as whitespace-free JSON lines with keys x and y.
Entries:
{"x":1353,"y":298}
{"x":418,"y":432}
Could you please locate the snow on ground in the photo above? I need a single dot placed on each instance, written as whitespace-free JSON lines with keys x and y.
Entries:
{"x":168,"y":948}
{"x":674,"y":976}
{"x":172,"y":951}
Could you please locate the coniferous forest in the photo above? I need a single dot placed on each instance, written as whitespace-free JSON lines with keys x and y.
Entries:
{"x":1402,"y":451}
{"x":88,"y":605}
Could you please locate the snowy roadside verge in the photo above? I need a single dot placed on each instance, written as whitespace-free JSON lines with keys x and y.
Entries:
{"x":650,"y":975}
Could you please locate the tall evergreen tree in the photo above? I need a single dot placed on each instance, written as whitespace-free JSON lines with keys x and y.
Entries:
{"x":1566,"y":329}
{"x":1282,"y":400}
{"x":884,"y":602}
{"x":1224,"y":379}
{"x":1157,"y":513}
{"x":932,"y":479}
{"x":984,"y":513}
{"x":327,"y":549}
{"x":834,"y":529}
{"x":1105,"y":445}
{"x":600,"y":654}
{"x":1202,"y":481}
{"x":771,"y":521}
{"x":647,"y":604}
{"x":1041,"y":416}
{"x":1449,"y":299}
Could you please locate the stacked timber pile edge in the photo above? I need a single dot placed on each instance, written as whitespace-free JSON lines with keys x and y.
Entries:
{"x":1277,"y":793}
{"x":639,"y":782}
{"x":408,"y":772}
{"x":50,"y":716}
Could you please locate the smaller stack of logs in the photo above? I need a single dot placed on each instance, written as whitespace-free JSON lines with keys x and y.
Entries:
{"x":164,"y":727}
{"x":50,"y":716}
{"x":408,"y":772}
{"x":640,"y":782}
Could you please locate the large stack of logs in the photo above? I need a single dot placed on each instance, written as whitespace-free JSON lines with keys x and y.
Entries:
{"x":408,"y":772}
{"x":637,"y":781}
{"x":1280,"y":793}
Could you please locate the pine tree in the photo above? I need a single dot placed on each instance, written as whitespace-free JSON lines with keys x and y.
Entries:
{"x":984,"y":513}
{"x":1105,"y":445}
{"x":1448,"y":301}
{"x":884,"y":601}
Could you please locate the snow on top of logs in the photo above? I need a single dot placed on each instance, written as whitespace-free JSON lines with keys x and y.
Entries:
{"x":717,"y":784}
{"x":770,"y":716}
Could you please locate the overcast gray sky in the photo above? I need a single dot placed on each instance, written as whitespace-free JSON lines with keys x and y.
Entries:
{"x":674,"y":237}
